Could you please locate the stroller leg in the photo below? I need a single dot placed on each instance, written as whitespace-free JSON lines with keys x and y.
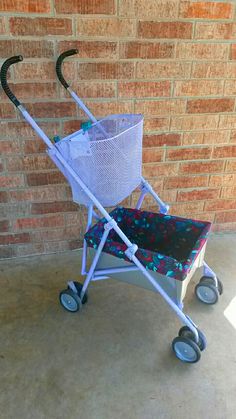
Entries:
{"x":95,"y":260}
{"x":209,"y":287}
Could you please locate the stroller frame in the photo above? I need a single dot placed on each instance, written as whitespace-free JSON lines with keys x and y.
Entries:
{"x":191,"y":340}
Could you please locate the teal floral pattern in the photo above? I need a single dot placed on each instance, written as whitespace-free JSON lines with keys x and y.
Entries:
{"x":166,"y":244}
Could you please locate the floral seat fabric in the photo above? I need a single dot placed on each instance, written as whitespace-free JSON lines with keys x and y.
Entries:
{"x":166,"y":244}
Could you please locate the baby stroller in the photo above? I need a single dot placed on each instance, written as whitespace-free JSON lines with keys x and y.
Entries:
{"x":157,"y":251}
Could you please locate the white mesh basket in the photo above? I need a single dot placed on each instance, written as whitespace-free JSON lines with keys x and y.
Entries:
{"x":107,"y":157}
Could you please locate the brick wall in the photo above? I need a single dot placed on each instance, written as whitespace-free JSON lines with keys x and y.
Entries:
{"x":174,"y":61}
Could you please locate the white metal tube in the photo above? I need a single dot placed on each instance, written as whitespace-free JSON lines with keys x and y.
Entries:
{"x":35,"y":126}
{"x":84,"y":256}
{"x":81,"y":104}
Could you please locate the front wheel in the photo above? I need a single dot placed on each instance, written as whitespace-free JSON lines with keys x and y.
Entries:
{"x":70,"y":300}
{"x":186,"y":350}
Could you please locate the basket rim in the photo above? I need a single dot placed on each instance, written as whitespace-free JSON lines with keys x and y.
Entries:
{"x":141,"y":117}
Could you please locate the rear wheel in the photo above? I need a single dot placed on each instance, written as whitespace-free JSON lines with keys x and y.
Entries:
{"x":186,"y":350}
{"x":70,"y":300}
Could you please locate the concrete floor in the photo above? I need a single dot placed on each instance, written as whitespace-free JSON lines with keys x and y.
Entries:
{"x":113,"y":359}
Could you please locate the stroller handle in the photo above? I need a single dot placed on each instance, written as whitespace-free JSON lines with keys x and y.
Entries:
{"x":3,"y":77}
{"x":59,"y":64}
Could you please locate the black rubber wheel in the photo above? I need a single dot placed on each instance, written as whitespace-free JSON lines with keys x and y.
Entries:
{"x":79,"y":287}
{"x":207,"y":292}
{"x":70,"y":300}
{"x":186,"y":350}
{"x":187,"y":333}
{"x":210,"y":280}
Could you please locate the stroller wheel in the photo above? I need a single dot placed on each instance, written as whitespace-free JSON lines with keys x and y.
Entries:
{"x":207,"y":292}
{"x":70,"y":301}
{"x":79,"y":287}
{"x":210,"y":280}
{"x":185,"y":332}
{"x":186,"y":350}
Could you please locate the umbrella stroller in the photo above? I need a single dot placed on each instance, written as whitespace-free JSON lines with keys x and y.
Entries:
{"x":156,"y":251}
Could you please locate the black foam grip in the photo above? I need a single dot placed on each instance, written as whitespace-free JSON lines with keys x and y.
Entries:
{"x":3,"y":77}
{"x":59,"y":64}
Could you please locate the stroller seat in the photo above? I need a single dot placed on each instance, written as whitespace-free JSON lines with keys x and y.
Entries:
{"x":166,"y":244}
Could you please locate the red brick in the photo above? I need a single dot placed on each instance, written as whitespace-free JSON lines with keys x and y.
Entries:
{"x":184,"y":209}
{"x":228,"y":192}
{"x":55,"y":247}
{"x":207,"y":137}
{"x":202,"y":167}
{"x":85,"y":7}
{"x":224,"y":151}
{"x":29,"y":49}
{"x":194,"y":122}
{"x":88,"y":71}
{"x":109,"y":27}
{"x":26,"y":6}
{"x":35,"y":223}
{"x":227,"y":121}
{"x":10,"y":181}
{"x":34,"y":146}
{"x":210,"y":105}
{"x":220,"y":204}
{"x":233,"y":52}
{"x":158,"y":140}
{"x":50,"y":178}
{"x":160,"y":107}
{"x":56,"y":234}
{"x":75,"y":244}
{"x":179,"y":182}
{"x":93,"y":90}
{"x":40,"y":26}
{"x":163,"y":169}
{"x":3,"y":197}
{"x":4,"y":226}
{"x":165,"y":70}
{"x":147,"y":29}
{"x":29,"y":163}
{"x":40,"y":71}
{"x":206,"y":10}
{"x":23,"y":130}
{"x":2,"y":25}
{"x":214,"y":70}
{"x":199,"y":87}
{"x":71,"y":126}
{"x":32,"y":90}
{"x":156,"y":124}
{"x":15,"y":238}
{"x":9,"y":211}
{"x":146,"y":50}
{"x":226,"y":227}
{"x":198,"y":195}
{"x":225,"y":217}
{"x":144,"y":89}
{"x":230,"y":166}
{"x":7,"y":110}
{"x":215,"y":30}
{"x":30,"y":249}
{"x":43,"y":194}
{"x":52,"y":109}
{"x":48,"y":207}
{"x":109,"y":107}
{"x":9,"y":147}
{"x":189,"y":153}
{"x":7,"y":252}
{"x":91,"y":49}
{"x":222,"y":180}
{"x":230,"y":87}
{"x":197,"y":51}
{"x":153,"y":9}
{"x":152,"y":155}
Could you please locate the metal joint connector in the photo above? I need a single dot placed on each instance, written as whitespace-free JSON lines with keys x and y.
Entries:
{"x":110,"y":224}
{"x":130,"y":252}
